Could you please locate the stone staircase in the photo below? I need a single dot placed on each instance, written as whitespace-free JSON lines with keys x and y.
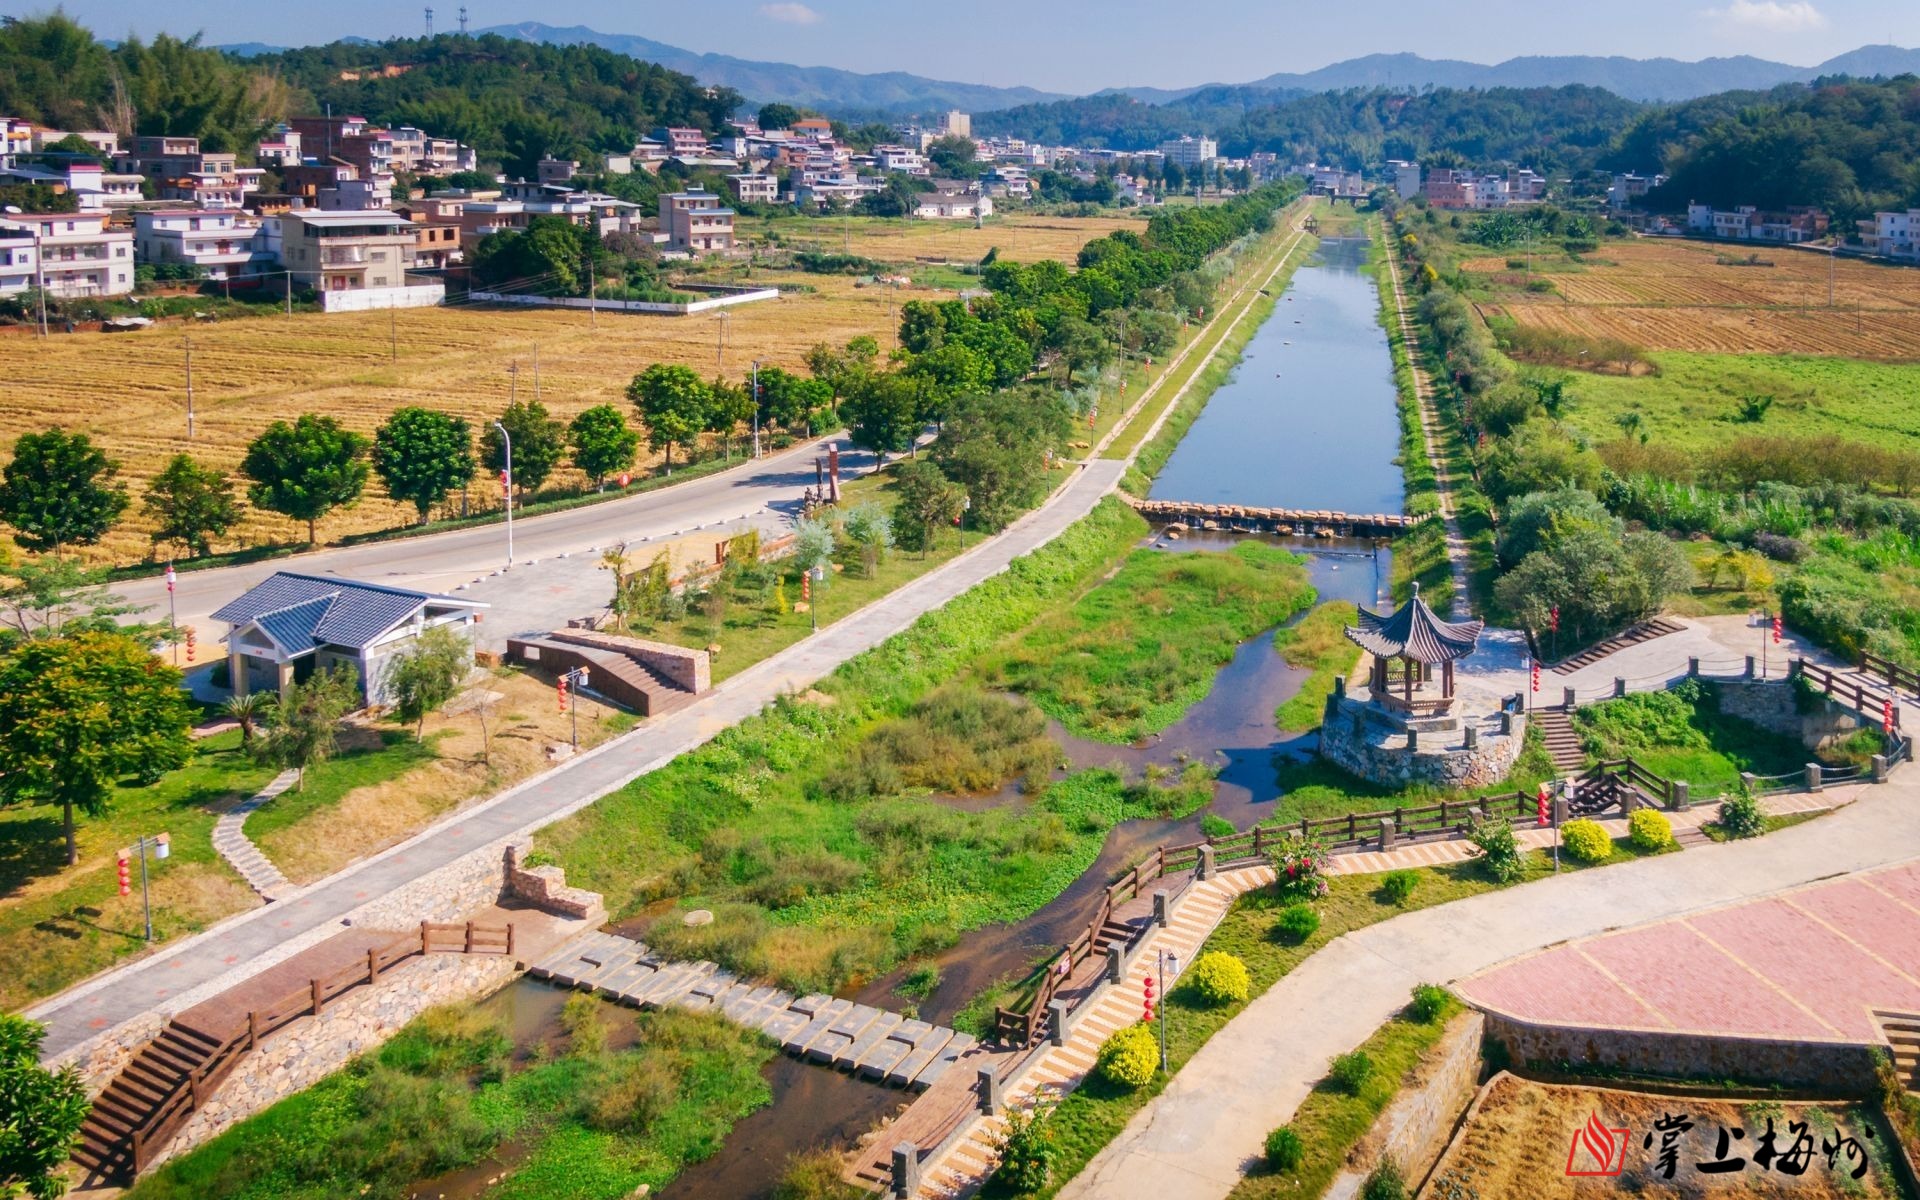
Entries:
{"x":231,"y":841}
{"x":1562,"y":741}
{"x":1902,"y":1031}
{"x":615,"y":675}
{"x":154,"y":1076}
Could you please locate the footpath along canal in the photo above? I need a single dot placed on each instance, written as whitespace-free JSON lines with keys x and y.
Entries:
{"x":1308,"y":419}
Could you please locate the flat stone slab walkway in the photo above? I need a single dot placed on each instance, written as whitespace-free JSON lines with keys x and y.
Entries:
{"x":231,"y":841}
{"x":1807,"y":965}
{"x":871,"y":1042}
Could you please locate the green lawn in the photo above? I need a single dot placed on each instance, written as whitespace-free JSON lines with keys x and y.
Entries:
{"x":60,"y":924}
{"x":1681,"y":734}
{"x":1319,"y":643}
{"x":1131,"y":656}
{"x":1694,"y":402}
{"x":576,"y":1121}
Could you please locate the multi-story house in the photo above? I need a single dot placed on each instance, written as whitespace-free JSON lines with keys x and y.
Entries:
{"x":695,"y":222}
{"x":347,"y":251}
{"x":754,"y":188}
{"x":220,"y":242}
{"x":1629,"y":189}
{"x":1894,"y":234}
{"x":677,"y":140}
{"x":1406,"y":178}
{"x":77,"y":254}
{"x":1450,"y":189}
{"x":348,"y":140}
{"x":556,"y":170}
{"x":1748,"y":224}
{"x":182,"y":173}
{"x":1189,"y":151}
{"x":281,"y":148}
{"x":814,"y":129}
{"x":16,"y":260}
{"x":958,"y":203}
{"x":900,"y":158}
{"x":16,"y":137}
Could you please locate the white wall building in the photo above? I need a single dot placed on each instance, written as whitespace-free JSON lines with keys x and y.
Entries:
{"x":1406,"y":178}
{"x":1190,"y":151}
{"x":78,"y":254}
{"x":219,"y":242}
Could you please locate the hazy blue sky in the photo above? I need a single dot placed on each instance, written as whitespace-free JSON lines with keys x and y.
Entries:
{"x":1082,"y":45}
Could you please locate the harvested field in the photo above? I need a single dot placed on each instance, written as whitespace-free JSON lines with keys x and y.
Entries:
{"x":1682,"y":295}
{"x":1517,"y":1144}
{"x":1023,"y":237}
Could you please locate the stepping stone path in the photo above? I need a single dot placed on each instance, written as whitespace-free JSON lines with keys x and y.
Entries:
{"x":866,"y":1041}
{"x":230,"y":839}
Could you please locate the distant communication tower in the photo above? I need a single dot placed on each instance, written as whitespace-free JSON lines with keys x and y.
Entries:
{"x":429,"y":20}
{"x":463,"y":20}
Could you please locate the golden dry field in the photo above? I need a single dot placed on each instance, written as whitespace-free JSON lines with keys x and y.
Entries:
{"x":1022,"y":237}
{"x":1680,"y":295}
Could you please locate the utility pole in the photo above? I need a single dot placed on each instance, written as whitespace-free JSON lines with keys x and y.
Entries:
{"x":40,"y":276}
{"x":593,"y":289}
{"x":506,"y":486}
{"x":1831,"y":251}
{"x":513,"y":384}
{"x":189,"y":342}
{"x":756,"y":408}
{"x":289,"y":295}
{"x":536,"y":374}
{"x":393,"y":331}
{"x":720,"y":350}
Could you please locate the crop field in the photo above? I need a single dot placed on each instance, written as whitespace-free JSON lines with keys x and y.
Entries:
{"x":129,"y":390}
{"x":1678,"y":295}
{"x":1023,"y":237}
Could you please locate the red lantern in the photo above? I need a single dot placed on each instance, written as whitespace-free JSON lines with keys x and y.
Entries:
{"x":1536,"y":674}
{"x":1886,"y":716}
{"x":1146,"y":994}
{"x":126,"y":878}
{"x":1544,"y":818}
{"x":1553,"y":620}
{"x":1776,"y":631}
{"x":563,"y":693}
{"x":191,"y":645}
{"x":806,"y":586}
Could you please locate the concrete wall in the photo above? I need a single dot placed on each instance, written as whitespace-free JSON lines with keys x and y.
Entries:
{"x":1380,"y":754}
{"x":688,"y":670}
{"x":639,"y":306}
{"x":1831,"y":1068}
{"x":1774,"y":705}
{"x":418,"y":295}
{"x":1415,"y":1127}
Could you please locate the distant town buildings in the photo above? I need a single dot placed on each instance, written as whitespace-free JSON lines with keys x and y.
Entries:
{"x":219,"y":242}
{"x":1190,"y":151}
{"x":1750,"y":224}
{"x":71,"y":255}
{"x":1894,"y":234}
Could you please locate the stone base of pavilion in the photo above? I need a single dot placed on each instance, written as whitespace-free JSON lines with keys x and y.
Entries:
{"x":1466,"y":748}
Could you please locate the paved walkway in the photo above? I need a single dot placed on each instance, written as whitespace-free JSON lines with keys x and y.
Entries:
{"x":1193,"y":1140}
{"x":1810,"y":964}
{"x":230,"y":839}
{"x":1431,"y":431}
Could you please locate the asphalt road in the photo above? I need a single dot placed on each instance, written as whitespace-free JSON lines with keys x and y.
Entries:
{"x":769,"y":489}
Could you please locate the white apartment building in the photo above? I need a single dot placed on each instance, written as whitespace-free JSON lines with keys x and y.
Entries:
{"x":219,"y":242}
{"x":16,"y":261}
{"x":1190,"y":151}
{"x":1406,"y":178}
{"x":1896,"y":234}
{"x":78,"y":254}
{"x":754,"y":188}
{"x":347,"y":251}
{"x":695,"y":222}
{"x":900,"y":158}
{"x":1627,"y":189}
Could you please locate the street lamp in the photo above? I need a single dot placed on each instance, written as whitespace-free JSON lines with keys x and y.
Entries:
{"x":756,"y":408}
{"x":159,"y":847}
{"x":1169,"y":968}
{"x":506,"y":484}
{"x":576,"y":682}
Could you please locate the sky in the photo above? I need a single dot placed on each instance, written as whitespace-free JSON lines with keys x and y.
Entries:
{"x":1083,"y":45}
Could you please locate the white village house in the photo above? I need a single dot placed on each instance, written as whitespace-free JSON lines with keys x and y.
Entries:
{"x":290,"y":625}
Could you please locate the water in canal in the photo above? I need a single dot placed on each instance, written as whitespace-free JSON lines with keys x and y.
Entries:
{"x":1308,"y":419}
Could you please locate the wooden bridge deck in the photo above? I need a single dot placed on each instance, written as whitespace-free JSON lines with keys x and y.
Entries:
{"x":858,"y":1038}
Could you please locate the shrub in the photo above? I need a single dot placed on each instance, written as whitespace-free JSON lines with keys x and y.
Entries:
{"x":1398,"y":885}
{"x":1351,"y":1071}
{"x":1130,"y":1057}
{"x":815,"y":1175}
{"x":1284,"y":1150}
{"x":1298,"y":922}
{"x":1740,"y":816}
{"x":1648,"y":829}
{"x":1499,"y":850}
{"x":1216,"y":826}
{"x":1586,"y":841}
{"x":1299,"y":862}
{"x":1429,"y":1001}
{"x":1220,"y":978}
{"x":1026,"y":1147}
{"x":1386,"y":1183}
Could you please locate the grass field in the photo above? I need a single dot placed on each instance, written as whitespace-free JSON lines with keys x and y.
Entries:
{"x":129,"y":390}
{"x":1682,"y":295}
{"x":1023,"y":237}
{"x":1694,"y":402}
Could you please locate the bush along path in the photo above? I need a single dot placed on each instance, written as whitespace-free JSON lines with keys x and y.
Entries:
{"x":230,"y":839}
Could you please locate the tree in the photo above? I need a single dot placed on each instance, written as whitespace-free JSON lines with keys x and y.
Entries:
{"x":48,"y":597}
{"x":791,"y":401}
{"x":41,"y":1112}
{"x":421,"y":455}
{"x":190,"y":504}
{"x":538,"y":443}
{"x":869,"y":527}
{"x":80,"y":712}
{"x":248,"y":710}
{"x":778,"y":116}
{"x":303,"y":728}
{"x":728,"y":408}
{"x":929,"y":501}
{"x":427,"y":674}
{"x":996,"y":447}
{"x":813,"y":549}
{"x":954,"y":156}
{"x":307,"y":469}
{"x":58,"y":491}
{"x":602,"y":443}
{"x":673,"y":401}
{"x":883,"y":412}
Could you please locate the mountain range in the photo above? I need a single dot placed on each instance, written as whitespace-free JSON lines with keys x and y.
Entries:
{"x":840,"y":91}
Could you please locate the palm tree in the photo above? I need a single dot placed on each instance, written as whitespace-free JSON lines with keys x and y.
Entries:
{"x":249,"y":711}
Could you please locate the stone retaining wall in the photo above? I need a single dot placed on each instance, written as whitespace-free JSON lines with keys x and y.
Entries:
{"x":545,"y":887}
{"x":1415,"y":1127}
{"x":1774,"y":705}
{"x":1379,"y":753}
{"x":363,"y":1019}
{"x":1829,"y":1068}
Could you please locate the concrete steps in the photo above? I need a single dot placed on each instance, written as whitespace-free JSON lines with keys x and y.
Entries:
{"x":1562,"y":741}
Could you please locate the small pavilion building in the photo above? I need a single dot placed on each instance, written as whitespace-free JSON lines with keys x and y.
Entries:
{"x":1413,"y":655}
